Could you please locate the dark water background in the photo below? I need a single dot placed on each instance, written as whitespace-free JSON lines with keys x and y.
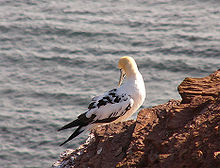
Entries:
{"x":56,"y":55}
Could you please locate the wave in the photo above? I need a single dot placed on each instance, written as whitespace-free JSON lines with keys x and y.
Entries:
{"x":179,"y":65}
{"x":203,"y":52}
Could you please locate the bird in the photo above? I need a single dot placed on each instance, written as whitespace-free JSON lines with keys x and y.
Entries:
{"x":115,"y":105}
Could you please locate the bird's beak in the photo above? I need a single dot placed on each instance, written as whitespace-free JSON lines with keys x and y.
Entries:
{"x":122,"y":76}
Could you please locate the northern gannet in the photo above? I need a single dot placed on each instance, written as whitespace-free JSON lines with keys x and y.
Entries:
{"x":115,"y":105}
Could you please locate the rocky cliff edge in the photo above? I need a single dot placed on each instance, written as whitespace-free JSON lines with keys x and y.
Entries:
{"x":180,"y":133}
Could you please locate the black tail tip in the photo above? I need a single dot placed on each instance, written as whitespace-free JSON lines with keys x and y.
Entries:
{"x":61,"y":144}
{"x":60,"y":129}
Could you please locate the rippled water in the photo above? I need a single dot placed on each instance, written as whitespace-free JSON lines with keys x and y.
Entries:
{"x":56,"y":55}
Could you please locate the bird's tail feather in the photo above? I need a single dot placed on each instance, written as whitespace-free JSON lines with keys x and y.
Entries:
{"x":78,"y":131}
{"x":70,"y":125}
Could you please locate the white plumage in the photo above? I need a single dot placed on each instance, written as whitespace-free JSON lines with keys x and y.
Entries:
{"x":115,"y":105}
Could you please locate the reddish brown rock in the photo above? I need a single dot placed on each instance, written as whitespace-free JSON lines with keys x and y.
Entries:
{"x":179,"y":133}
{"x":206,"y":87}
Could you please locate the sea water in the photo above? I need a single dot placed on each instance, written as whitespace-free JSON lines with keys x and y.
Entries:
{"x":56,"y":55}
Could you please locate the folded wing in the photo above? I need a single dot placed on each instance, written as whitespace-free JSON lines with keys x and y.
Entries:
{"x":102,"y":109}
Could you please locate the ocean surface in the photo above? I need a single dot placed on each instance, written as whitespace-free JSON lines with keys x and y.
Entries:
{"x":56,"y":55}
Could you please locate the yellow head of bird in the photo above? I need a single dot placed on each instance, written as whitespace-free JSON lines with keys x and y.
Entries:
{"x":128,"y":67}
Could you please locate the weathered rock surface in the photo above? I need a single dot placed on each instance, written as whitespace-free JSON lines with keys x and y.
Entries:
{"x":179,"y":133}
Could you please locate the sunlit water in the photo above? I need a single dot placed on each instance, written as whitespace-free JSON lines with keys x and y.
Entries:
{"x":56,"y":55}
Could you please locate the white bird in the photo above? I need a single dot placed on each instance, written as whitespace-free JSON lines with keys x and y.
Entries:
{"x":115,"y":105}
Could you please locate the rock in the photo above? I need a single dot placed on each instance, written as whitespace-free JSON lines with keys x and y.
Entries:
{"x":179,"y":133}
{"x":206,"y":87}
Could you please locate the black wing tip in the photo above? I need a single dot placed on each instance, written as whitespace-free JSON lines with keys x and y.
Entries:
{"x":74,"y":123}
{"x":62,"y":128}
{"x":63,"y":143}
{"x":75,"y":134}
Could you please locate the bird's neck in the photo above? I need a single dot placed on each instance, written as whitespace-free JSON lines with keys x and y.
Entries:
{"x":132,"y":75}
{"x":131,"y":70}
